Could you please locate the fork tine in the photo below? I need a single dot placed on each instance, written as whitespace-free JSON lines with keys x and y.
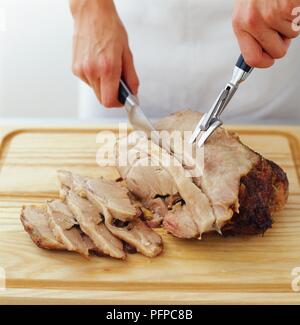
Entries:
{"x":206,"y":134}
{"x":197,"y":130}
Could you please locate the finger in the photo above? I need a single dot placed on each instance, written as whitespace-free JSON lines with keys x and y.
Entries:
{"x":91,"y":74}
{"x":78,"y":72}
{"x":110,"y":72}
{"x":96,"y":85}
{"x":287,"y":41}
{"x":285,"y":28}
{"x":288,"y":8}
{"x":252,"y":51}
{"x":271,"y":42}
{"x":129,"y":73}
{"x":84,"y":79}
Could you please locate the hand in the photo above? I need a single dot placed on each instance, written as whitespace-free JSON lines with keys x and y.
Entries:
{"x":101,"y":53}
{"x":264,"y":29}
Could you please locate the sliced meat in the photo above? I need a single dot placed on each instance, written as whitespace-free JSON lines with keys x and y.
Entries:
{"x":236,"y":193}
{"x":135,"y":232}
{"x":113,"y":195}
{"x":89,"y":218}
{"x":65,"y":228}
{"x":151,"y":185}
{"x":154,"y":211}
{"x":180,"y":223}
{"x":36,"y":222}
{"x":155,"y":179}
{"x":197,"y":203}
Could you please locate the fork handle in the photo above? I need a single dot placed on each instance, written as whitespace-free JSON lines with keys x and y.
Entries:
{"x":241,"y":63}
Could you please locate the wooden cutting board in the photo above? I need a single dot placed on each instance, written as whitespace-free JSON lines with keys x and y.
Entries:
{"x":215,"y":270}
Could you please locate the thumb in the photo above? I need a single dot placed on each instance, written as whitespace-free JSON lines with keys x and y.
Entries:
{"x":129,"y":73}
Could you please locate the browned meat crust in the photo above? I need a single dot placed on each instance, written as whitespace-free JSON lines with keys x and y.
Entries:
{"x":263,"y":190}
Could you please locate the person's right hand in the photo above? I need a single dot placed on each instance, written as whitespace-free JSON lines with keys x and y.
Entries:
{"x":101,"y":53}
{"x":264,"y":29}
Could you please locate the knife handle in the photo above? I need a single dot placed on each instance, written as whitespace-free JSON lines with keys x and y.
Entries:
{"x":241,"y":63}
{"x":124,"y":92}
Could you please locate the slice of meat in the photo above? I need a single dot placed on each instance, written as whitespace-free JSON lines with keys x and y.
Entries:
{"x":89,"y":218}
{"x":180,"y":223}
{"x":113,"y":195}
{"x":135,"y":232}
{"x":65,"y":228}
{"x":155,"y":179}
{"x":36,"y":222}
{"x":151,"y":185}
{"x":154,"y":211}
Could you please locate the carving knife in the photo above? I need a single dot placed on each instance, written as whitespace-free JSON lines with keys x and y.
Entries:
{"x":136,"y":116}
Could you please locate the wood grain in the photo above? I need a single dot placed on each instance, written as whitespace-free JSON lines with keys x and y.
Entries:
{"x":215,"y":270}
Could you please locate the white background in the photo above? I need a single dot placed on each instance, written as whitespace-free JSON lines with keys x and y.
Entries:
{"x":35,"y":60}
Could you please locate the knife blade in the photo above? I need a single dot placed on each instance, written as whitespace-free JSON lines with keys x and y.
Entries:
{"x":136,"y":115}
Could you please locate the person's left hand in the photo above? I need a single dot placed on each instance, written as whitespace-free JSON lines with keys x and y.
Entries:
{"x":264,"y":29}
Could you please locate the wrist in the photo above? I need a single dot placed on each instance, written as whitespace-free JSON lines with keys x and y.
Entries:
{"x":79,"y":7}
